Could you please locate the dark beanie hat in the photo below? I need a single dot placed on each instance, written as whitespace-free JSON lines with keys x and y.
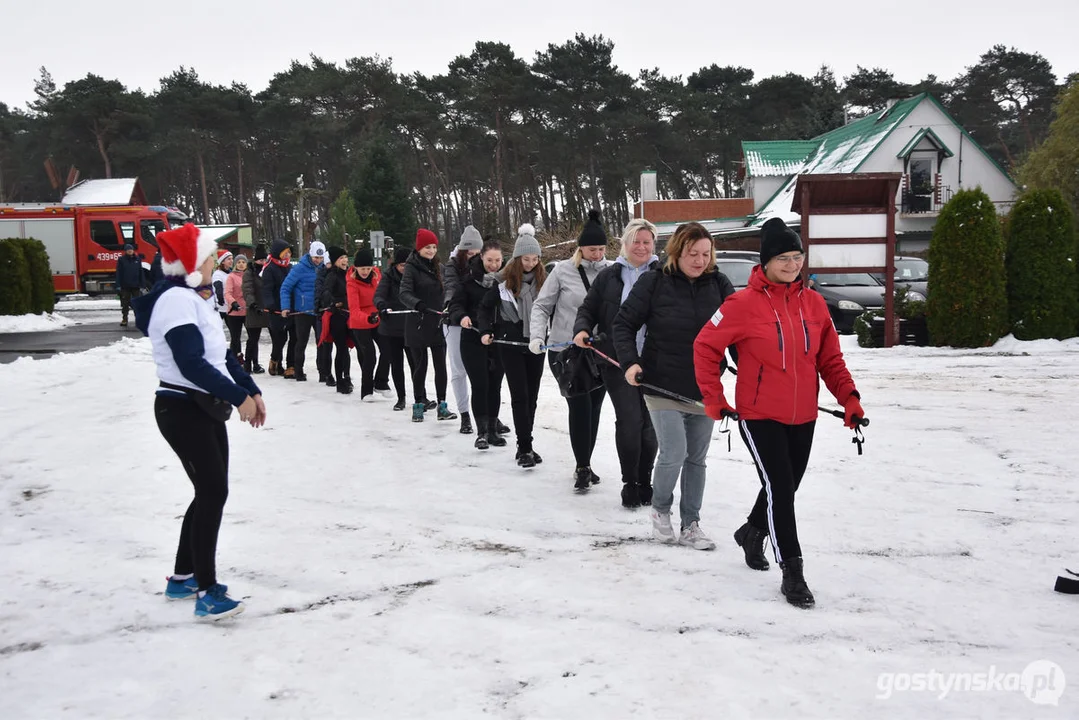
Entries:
{"x":278,"y":247}
{"x":334,"y":252}
{"x":593,"y":232}
{"x":364,"y":258}
{"x":776,"y":239}
{"x":400,"y":254}
{"x":260,"y":252}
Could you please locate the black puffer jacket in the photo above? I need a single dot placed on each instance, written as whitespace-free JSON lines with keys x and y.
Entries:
{"x":601,"y":305}
{"x":421,"y":290}
{"x":252,"y":289}
{"x":467,"y":299}
{"x":334,"y":290}
{"x":675,"y":309}
{"x":388,"y":297}
{"x":451,"y":281}
{"x":273,"y":275}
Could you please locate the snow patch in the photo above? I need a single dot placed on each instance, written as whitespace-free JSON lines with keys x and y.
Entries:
{"x":33,"y":323}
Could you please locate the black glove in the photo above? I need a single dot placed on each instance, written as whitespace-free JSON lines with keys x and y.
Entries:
{"x":372,"y":319}
{"x":420,"y":307}
{"x":235,"y":307}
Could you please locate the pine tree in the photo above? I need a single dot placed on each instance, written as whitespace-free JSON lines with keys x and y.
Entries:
{"x":968,"y":304}
{"x":344,"y":219}
{"x":1043,"y":298}
{"x":14,"y":279}
{"x":379,"y":193}
{"x":1055,"y":163}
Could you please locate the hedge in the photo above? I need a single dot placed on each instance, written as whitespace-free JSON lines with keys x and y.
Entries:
{"x":14,"y":279}
{"x":25,"y":278}
{"x":1043,"y":298}
{"x":968,"y":303}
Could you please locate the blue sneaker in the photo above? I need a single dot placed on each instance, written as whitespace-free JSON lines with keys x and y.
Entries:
{"x":183,"y":589}
{"x":215,"y":604}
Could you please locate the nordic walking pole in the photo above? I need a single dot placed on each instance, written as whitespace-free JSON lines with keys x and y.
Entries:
{"x":524,"y":344}
{"x":656,"y":388}
{"x":862,"y":422}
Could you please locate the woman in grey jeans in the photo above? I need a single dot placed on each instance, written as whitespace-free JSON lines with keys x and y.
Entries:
{"x":675,"y":302}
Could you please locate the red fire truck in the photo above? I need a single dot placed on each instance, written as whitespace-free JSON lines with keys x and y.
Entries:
{"x":84,"y":242}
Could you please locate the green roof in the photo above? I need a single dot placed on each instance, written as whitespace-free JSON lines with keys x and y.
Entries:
{"x":918,"y":137}
{"x":776,"y":157}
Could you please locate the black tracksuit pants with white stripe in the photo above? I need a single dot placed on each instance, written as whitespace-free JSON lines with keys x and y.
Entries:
{"x":781,"y":454}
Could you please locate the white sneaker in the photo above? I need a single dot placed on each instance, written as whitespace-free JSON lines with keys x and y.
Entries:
{"x":386,"y":393}
{"x":661,"y":527}
{"x":695,"y":538}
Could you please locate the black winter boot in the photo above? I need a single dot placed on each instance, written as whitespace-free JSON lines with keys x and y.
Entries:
{"x":582,"y":479}
{"x":631,"y":495}
{"x":493,"y":438}
{"x":481,"y":433}
{"x":751,"y":540}
{"x":466,"y":424}
{"x":645,"y":490}
{"x":794,"y":586}
{"x":501,"y":428}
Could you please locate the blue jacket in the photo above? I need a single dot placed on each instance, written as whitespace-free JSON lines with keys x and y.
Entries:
{"x":298,"y":289}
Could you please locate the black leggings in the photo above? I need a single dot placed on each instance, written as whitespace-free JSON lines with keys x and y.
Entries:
{"x":583,"y":420}
{"x":393,"y":346}
{"x":485,"y":373}
{"x":781,"y":454}
{"x":523,"y":373}
{"x":634,"y":436}
{"x":365,"y":355}
{"x":304,"y":325}
{"x":202,"y":444}
{"x":235,"y":324}
{"x":382,"y":370}
{"x":282,"y":329}
{"x":419,"y":372}
{"x":342,"y":364}
{"x":251,"y":351}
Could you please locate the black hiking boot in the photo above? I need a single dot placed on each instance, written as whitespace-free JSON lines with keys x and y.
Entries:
{"x":794,"y":586}
{"x":500,"y":428}
{"x":466,"y":424}
{"x":631,"y":495}
{"x":751,"y":540}
{"x":582,"y":479}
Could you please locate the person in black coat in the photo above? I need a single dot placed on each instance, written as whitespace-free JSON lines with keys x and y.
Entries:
{"x":634,"y":436}
{"x":504,"y":317}
{"x":273,"y":276}
{"x":257,"y":316}
{"x":391,"y":329}
{"x":422,"y":291}
{"x":675,"y":303}
{"x":323,"y":350}
{"x":481,"y":362}
{"x":334,"y":287}
{"x":128,"y":280}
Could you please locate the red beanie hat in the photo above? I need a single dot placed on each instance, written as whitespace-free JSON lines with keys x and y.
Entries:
{"x":425,"y":237}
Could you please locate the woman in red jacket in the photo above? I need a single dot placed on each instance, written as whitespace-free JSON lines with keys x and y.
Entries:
{"x":363,"y":316}
{"x":785,"y":340}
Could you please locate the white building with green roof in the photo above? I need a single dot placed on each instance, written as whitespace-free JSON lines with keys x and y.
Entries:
{"x":916,"y":137}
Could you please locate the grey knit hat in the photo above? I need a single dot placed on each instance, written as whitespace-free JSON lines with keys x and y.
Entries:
{"x":526,"y":244}
{"x":470,"y":240}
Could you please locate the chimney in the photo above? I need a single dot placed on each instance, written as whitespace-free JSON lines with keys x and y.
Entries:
{"x":648,"y":185}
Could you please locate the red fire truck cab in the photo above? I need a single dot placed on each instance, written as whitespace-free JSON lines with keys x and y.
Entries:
{"x":84,"y":242}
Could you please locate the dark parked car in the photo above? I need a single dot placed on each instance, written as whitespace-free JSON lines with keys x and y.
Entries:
{"x":736,"y":269}
{"x":739,"y":254}
{"x":849,"y":295}
{"x":913,"y":273}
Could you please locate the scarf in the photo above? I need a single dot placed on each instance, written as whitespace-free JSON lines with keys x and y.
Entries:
{"x":526,"y":297}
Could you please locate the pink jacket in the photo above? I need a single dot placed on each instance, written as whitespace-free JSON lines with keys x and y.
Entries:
{"x":234,"y":293}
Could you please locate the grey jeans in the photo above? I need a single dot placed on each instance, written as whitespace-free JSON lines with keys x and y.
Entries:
{"x":683,"y":447}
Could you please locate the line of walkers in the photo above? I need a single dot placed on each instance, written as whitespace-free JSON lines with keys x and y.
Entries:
{"x":651,"y":335}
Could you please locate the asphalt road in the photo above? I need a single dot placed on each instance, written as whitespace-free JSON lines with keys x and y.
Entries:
{"x":74,"y":338}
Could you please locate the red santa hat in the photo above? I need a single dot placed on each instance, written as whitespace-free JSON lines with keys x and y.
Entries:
{"x":183,"y":250}
{"x":223,"y":255}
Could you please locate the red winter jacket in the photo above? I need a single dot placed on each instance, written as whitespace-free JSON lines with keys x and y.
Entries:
{"x":785,"y":339}
{"x":361,"y":299}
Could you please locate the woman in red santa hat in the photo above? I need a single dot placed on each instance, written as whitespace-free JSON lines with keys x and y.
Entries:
{"x":200,"y":383}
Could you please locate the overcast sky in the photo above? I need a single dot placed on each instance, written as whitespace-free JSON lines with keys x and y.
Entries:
{"x":247,"y":41}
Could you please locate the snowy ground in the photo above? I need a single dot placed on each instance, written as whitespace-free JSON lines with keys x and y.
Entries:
{"x":74,"y":310}
{"x":392,"y":571}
